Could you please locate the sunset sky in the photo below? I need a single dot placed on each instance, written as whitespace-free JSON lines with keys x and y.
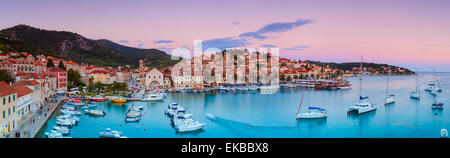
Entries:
{"x":410,"y":33}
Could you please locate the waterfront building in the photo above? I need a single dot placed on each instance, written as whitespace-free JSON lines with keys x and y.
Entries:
{"x":24,"y":101}
{"x":61,"y":77}
{"x":100,"y":76}
{"x":8,"y":102}
{"x":154,"y":79}
{"x":35,"y":86}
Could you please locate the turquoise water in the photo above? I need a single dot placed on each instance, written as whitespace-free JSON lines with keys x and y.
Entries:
{"x":254,"y":115}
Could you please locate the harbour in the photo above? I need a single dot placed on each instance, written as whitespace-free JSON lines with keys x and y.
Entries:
{"x":250,"y":114}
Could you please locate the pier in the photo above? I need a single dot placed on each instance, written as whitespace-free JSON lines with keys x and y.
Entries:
{"x":35,"y":122}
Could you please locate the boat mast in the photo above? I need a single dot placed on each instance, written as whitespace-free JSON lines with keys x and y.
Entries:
{"x":360,"y":79}
{"x":387,"y":86}
{"x":417,"y":83}
{"x":301,"y":101}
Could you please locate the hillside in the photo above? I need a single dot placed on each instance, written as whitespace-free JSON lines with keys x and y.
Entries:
{"x":374,"y":66}
{"x":72,"y":46}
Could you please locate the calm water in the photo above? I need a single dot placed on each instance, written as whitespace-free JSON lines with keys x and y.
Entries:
{"x":254,"y":115}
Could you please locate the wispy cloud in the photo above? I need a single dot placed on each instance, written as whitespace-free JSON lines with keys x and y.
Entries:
{"x":260,"y":34}
{"x":297,"y":48}
{"x":163,"y":41}
{"x":224,"y":43}
{"x":277,"y":27}
{"x":124,"y":41}
{"x":236,"y":23}
{"x":268,"y":45}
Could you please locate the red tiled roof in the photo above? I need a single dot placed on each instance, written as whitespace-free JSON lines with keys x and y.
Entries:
{"x":22,"y":90}
{"x":5,"y":89}
{"x":26,"y":82}
{"x":98,"y":72}
{"x":71,"y":63}
{"x":54,"y":69}
{"x":38,"y":63}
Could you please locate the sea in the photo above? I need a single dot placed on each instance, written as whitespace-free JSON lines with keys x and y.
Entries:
{"x":253,"y":115}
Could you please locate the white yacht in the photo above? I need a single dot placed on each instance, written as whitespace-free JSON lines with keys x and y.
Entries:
{"x":111,"y":134}
{"x":390,"y":98}
{"x":153,"y":97}
{"x":416,"y":94}
{"x":95,"y":112}
{"x":313,"y":113}
{"x":187,"y":124}
{"x":269,"y":89}
{"x":363,"y":105}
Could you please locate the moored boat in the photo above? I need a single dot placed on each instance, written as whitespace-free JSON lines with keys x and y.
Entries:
{"x":97,"y":98}
{"x":118,"y":100}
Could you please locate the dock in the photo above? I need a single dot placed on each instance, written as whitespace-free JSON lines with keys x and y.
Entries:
{"x":35,"y":123}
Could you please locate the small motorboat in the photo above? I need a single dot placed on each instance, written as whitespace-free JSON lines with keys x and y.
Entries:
{"x":53,"y":134}
{"x":444,"y":133}
{"x":437,"y":105}
{"x":269,"y":89}
{"x":153,"y":97}
{"x":111,"y":134}
{"x":187,"y":125}
{"x":118,"y":100}
{"x":64,"y":130}
{"x":98,"y":98}
{"x":95,"y":112}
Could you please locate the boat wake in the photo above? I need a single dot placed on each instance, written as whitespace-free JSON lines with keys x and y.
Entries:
{"x":241,"y":125}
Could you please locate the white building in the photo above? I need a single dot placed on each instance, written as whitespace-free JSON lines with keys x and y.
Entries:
{"x":154,"y":79}
{"x":24,"y":101}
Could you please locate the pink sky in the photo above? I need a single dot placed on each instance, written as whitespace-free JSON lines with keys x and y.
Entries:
{"x":413,"y":33}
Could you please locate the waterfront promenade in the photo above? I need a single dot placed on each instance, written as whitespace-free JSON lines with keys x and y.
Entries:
{"x":30,"y":127}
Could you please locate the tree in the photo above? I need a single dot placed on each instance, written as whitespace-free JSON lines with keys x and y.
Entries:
{"x":80,"y":88}
{"x":90,"y":87}
{"x":289,"y":79}
{"x":91,"y":80}
{"x":99,"y":86}
{"x":115,"y":86}
{"x":61,"y":65}
{"x":50,"y":63}
{"x":73,"y":77}
{"x":6,"y":76}
{"x":282,"y":77}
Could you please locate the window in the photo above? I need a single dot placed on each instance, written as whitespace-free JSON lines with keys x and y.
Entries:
{"x":14,"y":97}
{"x":9,"y":111}
{"x":9,"y":99}
{"x":4,"y":114}
{"x":14,"y":109}
{"x":4,"y":101}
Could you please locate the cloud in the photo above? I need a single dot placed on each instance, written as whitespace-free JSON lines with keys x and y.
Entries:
{"x":268,"y":45}
{"x":277,"y":27}
{"x":297,"y":48}
{"x":124,"y":41}
{"x":224,"y":43}
{"x":236,"y":23}
{"x":163,"y":41}
{"x":260,"y":34}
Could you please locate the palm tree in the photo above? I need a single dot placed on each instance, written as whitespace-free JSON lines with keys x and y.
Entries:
{"x":99,"y":86}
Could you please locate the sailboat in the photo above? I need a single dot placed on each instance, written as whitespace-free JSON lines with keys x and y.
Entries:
{"x":390,"y":98}
{"x":313,"y":112}
{"x":362,"y":106}
{"x":416,"y":94}
{"x":433,"y":87}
